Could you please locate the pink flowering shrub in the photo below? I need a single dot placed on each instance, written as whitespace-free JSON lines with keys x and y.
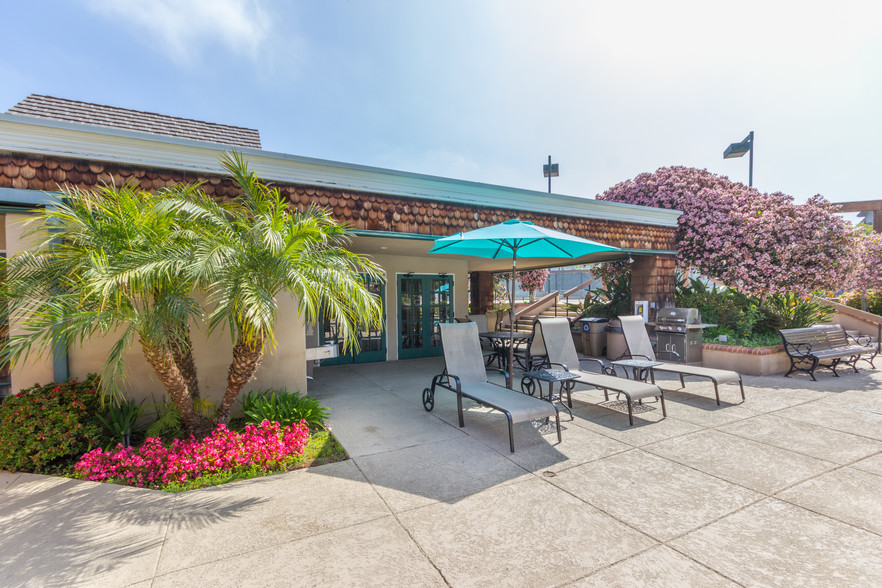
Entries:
{"x":533,"y":280}
{"x":267,"y":446}
{"x":761,"y":243}
{"x":867,"y":269}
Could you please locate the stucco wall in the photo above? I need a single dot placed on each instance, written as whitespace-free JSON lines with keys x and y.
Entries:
{"x":37,"y":369}
{"x":282,"y":367}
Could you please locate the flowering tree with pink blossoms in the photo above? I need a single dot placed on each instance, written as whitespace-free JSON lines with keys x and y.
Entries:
{"x":867,"y":270}
{"x":533,"y":280}
{"x":761,"y":243}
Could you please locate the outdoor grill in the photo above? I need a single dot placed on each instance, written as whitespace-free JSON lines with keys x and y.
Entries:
{"x":678,"y":332}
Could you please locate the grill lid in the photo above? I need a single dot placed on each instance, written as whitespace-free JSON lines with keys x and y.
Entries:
{"x":683,"y":316}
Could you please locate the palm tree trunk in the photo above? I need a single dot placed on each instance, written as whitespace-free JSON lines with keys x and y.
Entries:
{"x":163,"y":363}
{"x":246,"y":360}
{"x":183,"y":355}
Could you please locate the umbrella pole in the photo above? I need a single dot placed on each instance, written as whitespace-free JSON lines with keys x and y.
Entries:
{"x":511,"y":319}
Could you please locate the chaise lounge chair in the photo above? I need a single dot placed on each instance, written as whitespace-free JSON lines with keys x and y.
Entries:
{"x":465,"y":374}
{"x":639,"y":346}
{"x":552,"y":340}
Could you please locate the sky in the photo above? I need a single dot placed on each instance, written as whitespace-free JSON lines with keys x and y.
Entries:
{"x":485,"y":90}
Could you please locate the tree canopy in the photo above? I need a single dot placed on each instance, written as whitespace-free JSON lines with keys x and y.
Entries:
{"x":763,"y":243}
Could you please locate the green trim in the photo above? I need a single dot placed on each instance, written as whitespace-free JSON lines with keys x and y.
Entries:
{"x":394,"y":235}
{"x":60,"y":367}
{"x":29,"y":199}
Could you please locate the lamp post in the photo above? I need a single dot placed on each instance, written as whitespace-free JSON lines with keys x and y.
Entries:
{"x":550,"y":170}
{"x":739,"y":149}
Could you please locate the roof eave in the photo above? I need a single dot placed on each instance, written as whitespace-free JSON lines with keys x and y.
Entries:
{"x":76,"y":140}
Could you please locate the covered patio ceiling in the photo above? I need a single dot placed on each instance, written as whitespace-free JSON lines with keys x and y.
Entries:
{"x":419,"y":245}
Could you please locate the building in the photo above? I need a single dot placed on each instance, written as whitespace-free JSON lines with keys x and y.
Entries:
{"x":46,"y":142}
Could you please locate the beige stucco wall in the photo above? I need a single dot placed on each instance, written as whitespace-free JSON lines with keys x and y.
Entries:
{"x":37,"y":369}
{"x":402,"y":264}
{"x":282,"y":367}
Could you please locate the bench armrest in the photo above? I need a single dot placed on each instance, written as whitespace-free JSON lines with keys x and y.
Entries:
{"x":862,"y":340}
{"x":797,"y":349}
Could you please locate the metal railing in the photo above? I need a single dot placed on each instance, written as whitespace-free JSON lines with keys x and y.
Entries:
{"x":536,"y":307}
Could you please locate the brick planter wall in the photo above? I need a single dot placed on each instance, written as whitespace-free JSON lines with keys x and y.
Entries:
{"x":760,"y":361}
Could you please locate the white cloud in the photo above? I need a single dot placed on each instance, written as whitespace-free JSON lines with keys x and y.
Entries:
{"x":185,"y":29}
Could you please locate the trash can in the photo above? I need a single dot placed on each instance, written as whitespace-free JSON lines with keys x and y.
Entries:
{"x":594,"y":335}
{"x":615,"y":341}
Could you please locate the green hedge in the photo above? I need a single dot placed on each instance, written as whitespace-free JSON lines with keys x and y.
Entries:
{"x":45,"y":429}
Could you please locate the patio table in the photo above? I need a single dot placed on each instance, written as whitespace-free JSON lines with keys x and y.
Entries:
{"x":532,"y":379}
{"x":501,"y":340}
{"x":640,"y":368}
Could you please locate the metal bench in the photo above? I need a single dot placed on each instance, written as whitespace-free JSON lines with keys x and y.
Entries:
{"x":825,"y":346}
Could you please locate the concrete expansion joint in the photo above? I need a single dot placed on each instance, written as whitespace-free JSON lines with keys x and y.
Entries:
{"x":401,"y":525}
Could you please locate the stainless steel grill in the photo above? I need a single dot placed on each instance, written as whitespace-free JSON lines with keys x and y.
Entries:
{"x":678,"y":332}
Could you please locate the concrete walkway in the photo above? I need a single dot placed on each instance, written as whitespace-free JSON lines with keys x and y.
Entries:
{"x":781,"y":490}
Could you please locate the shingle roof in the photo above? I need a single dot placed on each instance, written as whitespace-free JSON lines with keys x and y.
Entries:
{"x":63,"y":109}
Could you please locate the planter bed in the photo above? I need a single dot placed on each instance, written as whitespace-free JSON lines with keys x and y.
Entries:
{"x":751,"y":361}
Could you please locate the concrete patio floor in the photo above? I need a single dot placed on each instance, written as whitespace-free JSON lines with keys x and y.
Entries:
{"x":784,"y":489}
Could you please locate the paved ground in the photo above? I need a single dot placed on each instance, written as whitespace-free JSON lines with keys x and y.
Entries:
{"x":784,"y":489}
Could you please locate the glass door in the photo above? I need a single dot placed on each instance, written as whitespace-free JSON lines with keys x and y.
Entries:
{"x":423,"y":303}
{"x":372,"y":341}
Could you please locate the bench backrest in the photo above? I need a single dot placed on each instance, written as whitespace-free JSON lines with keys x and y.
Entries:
{"x":820,"y":337}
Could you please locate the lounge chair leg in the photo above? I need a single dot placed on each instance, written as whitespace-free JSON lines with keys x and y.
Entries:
{"x":557,"y":420}
{"x":682,"y":381}
{"x":510,"y":432}
{"x":741,"y":384}
{"x":630,"y":414}
{"x":664,"y":411}
{"x":716,"y":391}
{"x":459,"y":410}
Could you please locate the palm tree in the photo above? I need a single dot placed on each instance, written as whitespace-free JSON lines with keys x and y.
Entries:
{"x":100,"y":265}
{"x":252,"y":250}
{"x":122,"y":262}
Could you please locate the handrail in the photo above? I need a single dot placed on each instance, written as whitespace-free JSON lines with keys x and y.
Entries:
{"x":869,"y":317}
{"x":852,"y":312}
{"x":539,"y":305}
{"x":577,"y":288}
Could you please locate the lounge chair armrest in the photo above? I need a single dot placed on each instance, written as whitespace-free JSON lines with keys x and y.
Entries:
{"x":501,"y":371}
{"x":562,"y":365}
{"x":455,"y":380}
{"x":604,"y":369}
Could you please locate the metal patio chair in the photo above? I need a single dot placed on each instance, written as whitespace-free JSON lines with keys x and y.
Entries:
{"x":639,"y":346}
{"x":553,"y":341}
{"x":465,"y":374}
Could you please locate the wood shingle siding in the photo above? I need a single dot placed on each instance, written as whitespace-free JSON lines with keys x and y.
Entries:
{"x":361,"y":210}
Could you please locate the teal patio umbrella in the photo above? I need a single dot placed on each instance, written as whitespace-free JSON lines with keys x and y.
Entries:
{"x":514,"y":239}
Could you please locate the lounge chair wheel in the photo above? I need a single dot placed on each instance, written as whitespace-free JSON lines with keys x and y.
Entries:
{"x":528,"y":386}
{"x":428,"y":399}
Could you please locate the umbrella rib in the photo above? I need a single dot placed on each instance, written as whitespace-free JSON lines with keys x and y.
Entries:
{"x":567,"y":253}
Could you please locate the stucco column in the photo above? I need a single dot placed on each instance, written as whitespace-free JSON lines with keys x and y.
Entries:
{"x":653,"y":278}
{"x":481,"y":291}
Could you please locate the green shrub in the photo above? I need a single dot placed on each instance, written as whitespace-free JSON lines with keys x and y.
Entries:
{"x":790,"y":311}
{"x":284,"y":408}
{"x":745,"y":316}
{"x":45,"y":429}
{"x":874,"y":301}
{"x":119,"y":420}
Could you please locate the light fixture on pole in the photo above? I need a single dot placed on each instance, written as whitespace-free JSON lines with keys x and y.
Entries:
{"x":550,"y":170}
{"x":739,"y":149}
